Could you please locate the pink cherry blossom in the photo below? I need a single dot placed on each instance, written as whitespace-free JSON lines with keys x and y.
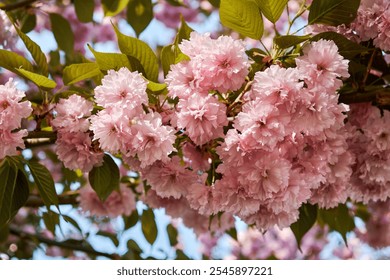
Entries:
{"x":202,"y":118}
{"x":122,"y":88}
{"x":152,"y":141}
{"x":321,"y":65}
{"x":112,"y":128}
{"x":169,"y":179}
{"x":119,"y":202}
{"x":10,"y":141}
{"x":75,"y":150}
{"x":12,"y":110}
{"x":72,"y":114}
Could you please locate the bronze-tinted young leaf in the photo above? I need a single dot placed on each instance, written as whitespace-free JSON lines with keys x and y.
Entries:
{"x":242,"y":16}
{"x":139,"y":14}
{"x":78,"y":72}
{"x":62,"y":32}
{"x":172,"y":234}
{"x":104,"y":179}
{"x":149,"y":227}
{"x":272,"y":9}
{"x":338,"y":219}
{"x":44,"y":182}
{"x":306,"y":220}
{"x":114,"y":239}
{"x":84,"y":9}
{"x":131,"y":220}
{"x":333,"y":12}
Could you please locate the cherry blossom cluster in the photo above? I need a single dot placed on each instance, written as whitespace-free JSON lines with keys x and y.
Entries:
{"x":370,"y":142}
{"x":124,"y":126}
{"x":287,"y":145}
{"x":74,"y":146}
{"x":119,"y":202}
{"x":12,"y":111}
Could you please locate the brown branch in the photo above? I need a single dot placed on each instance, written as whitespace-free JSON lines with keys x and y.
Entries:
{"x":380,"y":97}
{"x":18,"y":5}
{"x":39,"y":138}
{"x":62,"y":244}
{"x":63,"y":199}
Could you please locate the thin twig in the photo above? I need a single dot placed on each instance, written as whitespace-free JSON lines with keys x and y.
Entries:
{"x":380,"y":97}
{"x":62,"y":244}
{"x":18,"y":5}
{"x":63,"y":199}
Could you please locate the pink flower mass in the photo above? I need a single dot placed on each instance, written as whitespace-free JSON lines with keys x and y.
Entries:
{"x":12,"y":111}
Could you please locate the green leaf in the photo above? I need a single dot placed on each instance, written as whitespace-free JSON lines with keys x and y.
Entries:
{"x":288,"y":41}
{"x":12,"y":61}
{"x":139,"y":14}
{"x":84,"y":9}
{"x":62,"y":33}
{"x":132,"y":220}
{"x":172,"y":234}
{"x":104,"y":179}
{"x":107,"y":61}
{"x":35,"y":51}
{"x":51,"y":219}
{"x":70,"y":220}
{"x":141,"y":51}
{"x":338,"y":219}
{"x":232,"y":233}
{"x":156,"y":87}
{"x":78,"y":72}
{"x":347,"y":48}
{"x":183,"y":33}
{"x":180,"y":254}
{"x":306,"y":220}
{"x":39,"y":80}
{"x":167,"y":58}
{"x":272,"y":9}
{"x":28,"y":22}
{"x":45,"y":183}
{"x":149,"y":227}
{"x":8,"y":175}
{"x":172,"y":54}
{"x":215,"y":3}
{"x":21,"y":192}
{"x":333,"y":12}
{"x":113,"y":7}
{"x":109,"y":235}
{"x":242,"y":16}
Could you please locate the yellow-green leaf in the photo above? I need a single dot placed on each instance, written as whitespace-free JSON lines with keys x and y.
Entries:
{"x":78,"y":72}
{"x":41,"y":81}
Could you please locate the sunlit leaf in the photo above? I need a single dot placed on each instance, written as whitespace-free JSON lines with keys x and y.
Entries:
{"x":242,"y":16}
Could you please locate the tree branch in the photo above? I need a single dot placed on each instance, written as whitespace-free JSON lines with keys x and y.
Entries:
{"x":67,"y":244}
{"x":380,"y":97}
{"x":63,"y":199}
{"x":14,"y":6}
{"x":39,"y":138}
